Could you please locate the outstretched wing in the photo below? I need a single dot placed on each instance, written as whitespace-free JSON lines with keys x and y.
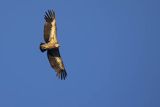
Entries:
{"x":50,"y":37}
{"x":56,"y":62}
{"x":50,"y":27}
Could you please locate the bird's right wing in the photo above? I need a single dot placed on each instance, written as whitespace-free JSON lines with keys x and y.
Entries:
{"x":57,"y":63}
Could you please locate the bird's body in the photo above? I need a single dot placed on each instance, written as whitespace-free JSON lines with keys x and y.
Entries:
{"x":51,"y":45}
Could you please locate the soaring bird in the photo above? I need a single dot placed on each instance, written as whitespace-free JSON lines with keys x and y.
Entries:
{"x":51,"y":45}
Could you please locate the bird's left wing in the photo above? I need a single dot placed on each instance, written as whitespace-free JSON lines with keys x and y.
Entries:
{"x":50,"y":26}
{"x":50,"y":32}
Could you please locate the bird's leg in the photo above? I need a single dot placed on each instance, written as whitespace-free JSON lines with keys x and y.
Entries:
{"x":56,"y":45}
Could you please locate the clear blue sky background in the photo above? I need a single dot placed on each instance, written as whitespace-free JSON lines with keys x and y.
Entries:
{"x":111,"y":50}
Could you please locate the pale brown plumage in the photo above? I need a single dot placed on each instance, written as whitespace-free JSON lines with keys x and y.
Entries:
{"x":51,"y":45}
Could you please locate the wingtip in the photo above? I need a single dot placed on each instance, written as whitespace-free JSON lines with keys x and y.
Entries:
{"x":49,"y":15}
{"x":62,"y":75}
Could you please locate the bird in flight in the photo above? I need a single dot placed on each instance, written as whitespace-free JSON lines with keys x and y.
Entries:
{"x":51,"y":45}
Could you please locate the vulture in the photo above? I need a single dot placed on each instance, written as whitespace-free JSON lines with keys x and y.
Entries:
{"x":51,"y":45}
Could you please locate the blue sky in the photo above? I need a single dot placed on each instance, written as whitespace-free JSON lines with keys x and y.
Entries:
{"x":110,"y":49}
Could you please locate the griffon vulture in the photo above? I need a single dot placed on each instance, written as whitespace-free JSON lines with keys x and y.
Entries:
{"x":51,"y":45}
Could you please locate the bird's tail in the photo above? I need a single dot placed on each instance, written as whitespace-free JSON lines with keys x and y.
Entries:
{"x":62,"y":75}
{"x":42,"y":50}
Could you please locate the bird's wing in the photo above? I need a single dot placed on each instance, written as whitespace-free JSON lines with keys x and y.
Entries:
{"x":56,"y":62}
{"x":50,"y":33}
